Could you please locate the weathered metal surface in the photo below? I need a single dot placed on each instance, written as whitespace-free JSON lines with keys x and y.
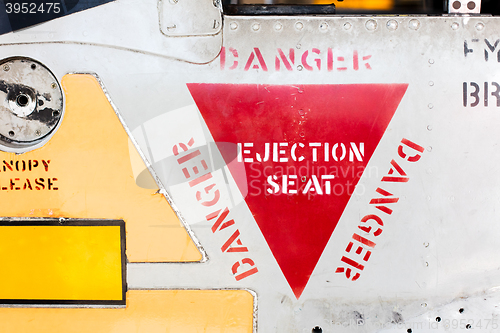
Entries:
{"x":464,"y":6}
{"x":32,"y":104}
{"x":190,"y":17}
{"x":342,"y":168}
{"x":35,"y":252}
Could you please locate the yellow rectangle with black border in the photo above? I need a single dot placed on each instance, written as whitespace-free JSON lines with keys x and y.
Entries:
{"x":80,"y":262}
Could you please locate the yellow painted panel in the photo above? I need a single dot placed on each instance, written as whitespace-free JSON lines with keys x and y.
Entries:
{"x":54,"y":262}
{"x":360,"y":4}
{"x":151,"y":311}
{"x":85,"y":171}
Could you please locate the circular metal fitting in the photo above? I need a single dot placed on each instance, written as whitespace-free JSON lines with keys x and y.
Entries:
{"x":31,"y":104}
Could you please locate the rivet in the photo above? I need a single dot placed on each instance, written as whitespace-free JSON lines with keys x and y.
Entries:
{"x":6,"y":68}
{"x":173,"y":2}
{"x":426,"y":264}
{"x":371,"y":25}
{"x":53,"y":86}
{"x":431,"y":61}
{"x":278,"y":26}
{"x":429,"y":148}
{"x":347,"y":26}
{"x":323,"y":26}
{"x":414,"y":24}
{"x":85,"y":33}
{"x":455,"y":25}
{"x":479,"y":26}
{"x":38,"y":133}
{"x":430,"y":106}
{"x":299,"y":25}
{"x":429,"y":127}
{"x":298,"y":46}
{"x":431,"y":83}
{"x":299,"y":67}
{"x":233,"y":25}
{"x":255,"y":26}
{"x":424,"y":305}
{"x":426,"y":244}
{"x":392,"y":25}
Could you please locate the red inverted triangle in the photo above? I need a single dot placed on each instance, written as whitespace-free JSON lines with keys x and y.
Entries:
{"x":297,"y":226}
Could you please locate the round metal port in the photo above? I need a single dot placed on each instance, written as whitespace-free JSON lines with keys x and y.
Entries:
{"x":31,"y":104}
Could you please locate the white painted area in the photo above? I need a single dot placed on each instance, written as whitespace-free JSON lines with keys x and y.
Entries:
{"x":169,"y":129}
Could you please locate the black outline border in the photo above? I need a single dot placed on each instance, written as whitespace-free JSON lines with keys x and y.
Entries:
{"x":74,"y":222}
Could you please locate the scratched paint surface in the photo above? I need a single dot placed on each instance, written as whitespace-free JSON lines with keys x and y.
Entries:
{"x":61,"y":262}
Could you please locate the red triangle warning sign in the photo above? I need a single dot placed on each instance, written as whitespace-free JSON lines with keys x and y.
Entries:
{"x":304,"y":148}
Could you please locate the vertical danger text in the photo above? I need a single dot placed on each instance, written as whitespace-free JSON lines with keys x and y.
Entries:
{"x":361,"y":245}
{"x":194,"y":167}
